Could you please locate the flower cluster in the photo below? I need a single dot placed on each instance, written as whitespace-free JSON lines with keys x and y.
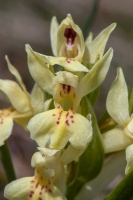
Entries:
{"x":53,"y":112}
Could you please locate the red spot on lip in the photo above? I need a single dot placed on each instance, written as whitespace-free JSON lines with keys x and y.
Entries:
{"x":68,"y":60}
{"x":50,"y":190}
{"x":57,"y":122}
{"x":42,"y":187}
{"x":37,"y":185}
{"x":67,"y":114}
{"x":71,"y":116}
{"x":53,"y":114}
{"x":72,"y":121}
{"x":67,"y":122}
{"x":31,"y":193}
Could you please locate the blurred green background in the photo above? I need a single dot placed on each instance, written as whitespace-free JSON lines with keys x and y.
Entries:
{"x":28,"y":21}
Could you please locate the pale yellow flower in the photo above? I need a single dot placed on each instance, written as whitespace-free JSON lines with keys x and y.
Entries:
{"x":41,"y":185}
{"x":63,"y":123}
{"x":24,"y":105}
{"x":117,"y":104}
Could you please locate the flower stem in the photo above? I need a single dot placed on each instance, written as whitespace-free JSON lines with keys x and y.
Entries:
{"x":7,"y":162}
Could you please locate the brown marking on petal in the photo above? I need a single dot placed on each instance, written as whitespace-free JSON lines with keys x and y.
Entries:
{"x":53,"y":114}
{"x":71,"y":116}
{"x":57,"y":122}
{"x":72,"y":121}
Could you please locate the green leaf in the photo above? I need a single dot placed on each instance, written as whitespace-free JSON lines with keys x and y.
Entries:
{"x":7,"y":162}
{"x":93,"y":96}
{"x":91,"y":161}
{"x":124,"y":190}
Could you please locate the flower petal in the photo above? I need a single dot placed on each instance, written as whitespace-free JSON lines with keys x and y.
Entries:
{"x":18,"y":189}
{"x":53,"y":35}
{"x":46,"y":105}
{"x":56,"y":127}
{"x":70,"y":64}
{"x":129,"y":159}
{"x":70,"y":154}
{"x":117,"y":99}
{"x":17,"y":97}
{"x":55,"y":194}
{"x":45,"y":127}
{"x":81,"y":132}
{"x":15,"y":72}
{"x":97,"y":46}
{"x":39,"y":71}
{"x":6,"y":125}
{"x":37,"y":98}
{"x":96,"y":75}
{"x":115,"y":140}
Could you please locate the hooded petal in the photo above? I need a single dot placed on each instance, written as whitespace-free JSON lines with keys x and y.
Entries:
{"x":6,"y":125}
{"x":53,"y":35}
{"x":115,"y":140}
{"x":117,"y":99}
{"x":18,"y":189}
{"x":19,"y":100}
{"x":56,"y":127}
{"x":129,"y":159}
{"x":97,"y":46}
{"x":69,"y":31}
{"x":96,"y":75}
{"x":39,"y":70}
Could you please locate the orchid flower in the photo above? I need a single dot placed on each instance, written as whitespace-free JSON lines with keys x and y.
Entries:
{"x":24,"y":105}
{"x":117,"y":105}
{"x":67,"y":39}
{"x":41,"y":185}
{"x":63,"y":123}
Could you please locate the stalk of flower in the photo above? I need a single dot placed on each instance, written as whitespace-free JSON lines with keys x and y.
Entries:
{"x":41,"y":186}
{"x":24,"y":105}
{"x":117,"y":105}
{"x":63,"y":123}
